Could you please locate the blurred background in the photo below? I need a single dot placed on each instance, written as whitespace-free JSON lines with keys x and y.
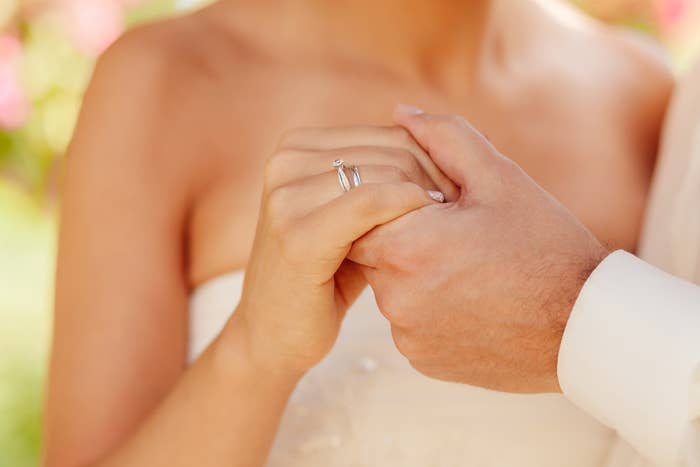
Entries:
{"x":47,"y":50}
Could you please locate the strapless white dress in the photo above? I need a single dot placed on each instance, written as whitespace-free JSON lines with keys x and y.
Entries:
{"x":365,"y":406}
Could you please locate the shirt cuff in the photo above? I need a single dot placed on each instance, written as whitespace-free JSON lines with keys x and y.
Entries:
{"x":630,"y":356}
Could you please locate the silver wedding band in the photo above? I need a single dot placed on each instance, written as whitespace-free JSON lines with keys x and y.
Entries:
{"x":339,"y":165}
{"x":343,"y":179}
{"x":356,"y":178}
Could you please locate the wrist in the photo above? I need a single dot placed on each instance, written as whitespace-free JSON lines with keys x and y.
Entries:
{"x":580,"y":271}
{"x":234,"y":353}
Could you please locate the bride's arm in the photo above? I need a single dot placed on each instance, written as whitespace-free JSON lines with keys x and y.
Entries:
{"x":121,"y":304}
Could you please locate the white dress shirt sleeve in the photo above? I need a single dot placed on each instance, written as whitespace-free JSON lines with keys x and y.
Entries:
{"x":630,"y":357}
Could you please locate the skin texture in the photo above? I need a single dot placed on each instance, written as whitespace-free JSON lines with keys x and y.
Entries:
{"x":490,"y":309}
{"x":163,"y":183}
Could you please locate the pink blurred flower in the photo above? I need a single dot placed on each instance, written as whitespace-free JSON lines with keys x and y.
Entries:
{"x":671,"y":12}
{"x":14,"y":106}
{"x":93,"y":24}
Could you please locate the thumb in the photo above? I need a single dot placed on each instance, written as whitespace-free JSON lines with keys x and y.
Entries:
{"x":456,"y":147}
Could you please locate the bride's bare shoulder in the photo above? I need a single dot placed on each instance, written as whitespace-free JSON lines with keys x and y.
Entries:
{"x":170,"y":81}
{"x":196,"y":45}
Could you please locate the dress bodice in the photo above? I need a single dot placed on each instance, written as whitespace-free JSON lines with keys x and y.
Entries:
{"x":364,"y":405}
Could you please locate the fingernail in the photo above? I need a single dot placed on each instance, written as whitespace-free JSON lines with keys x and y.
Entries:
{"x":438,"y":196}
{"x":409,"y":109}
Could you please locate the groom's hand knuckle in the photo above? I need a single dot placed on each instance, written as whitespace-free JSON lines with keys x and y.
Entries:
{"x":397,"y":311}
{"x":390,"y":307}
{"x":418,"y":366}
{"x":426,"y":368}
{"x":405,"y":344}
{"x":384,"y":303}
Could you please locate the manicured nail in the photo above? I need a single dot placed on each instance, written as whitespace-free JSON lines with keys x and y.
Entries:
{"x":409,"y":109}
{"x":437,"y":196}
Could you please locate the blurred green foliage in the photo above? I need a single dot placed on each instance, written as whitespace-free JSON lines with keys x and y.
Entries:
{"x":27,"y":244}
{"x":53,"y":73}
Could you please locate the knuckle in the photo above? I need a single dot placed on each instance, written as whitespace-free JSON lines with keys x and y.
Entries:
{"x":394,"y":309}
{"x":385,"y":305}
{"x":270,"y":167}
{"x":431,"y":370}
{"x":289,"y":137}
{"x":419,"y":367}
{"x":278,"y":202}
{"x":277,"y":163}
{"x":405,"y":343}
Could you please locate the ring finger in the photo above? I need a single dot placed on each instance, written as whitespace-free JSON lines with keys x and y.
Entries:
{"x":295,"y":164}
{"x":309,"y":193}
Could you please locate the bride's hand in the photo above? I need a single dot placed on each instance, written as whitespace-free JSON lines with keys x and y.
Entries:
{"x":298,"y":284}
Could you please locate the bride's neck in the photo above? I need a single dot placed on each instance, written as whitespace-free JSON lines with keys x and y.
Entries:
{"x":411,"y":36}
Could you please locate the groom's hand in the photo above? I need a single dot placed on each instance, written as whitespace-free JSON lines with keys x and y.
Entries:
{"x":479,"y":290}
